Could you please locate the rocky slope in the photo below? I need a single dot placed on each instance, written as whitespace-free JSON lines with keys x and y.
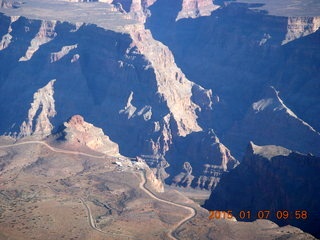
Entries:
{"x":202,"y":159}
{"x":272,"y":178}
{"x":239,"y":60}
{"x":288,"y":129}
{"x":300,"y":27}
{"x":127,"y":70}
{"x":78,"y":132}
{"x":41,"y":110}
{"x":179,"y":83}
{"x":46,"y":190}
{"x":107,"y":86}
{"x":196,"y":8}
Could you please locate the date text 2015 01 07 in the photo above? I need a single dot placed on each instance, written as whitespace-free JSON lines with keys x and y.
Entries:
{"x":262,"y":214}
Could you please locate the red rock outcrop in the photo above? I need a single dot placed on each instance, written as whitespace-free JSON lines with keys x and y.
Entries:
{"x":79,"y":132}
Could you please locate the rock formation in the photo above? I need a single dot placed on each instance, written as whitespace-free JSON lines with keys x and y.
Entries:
{"x":6,"y":39}
{"x":172,"y":84}
{"x":300,"y":27}
{"x":206,"y":159}
{"x":222,"y":64}
{"x":196,"y":8}
{"x":288,"y":129}
{"x":42,"y":109}
{"x":272,"y":178}
{"x":56,"y":56}
{"x":46,"y":34}
{"x":77,"y":132}
{"x":157,"y":86}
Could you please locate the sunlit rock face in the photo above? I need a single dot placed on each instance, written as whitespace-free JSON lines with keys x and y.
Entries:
{"x":299,"y":27}
{"x":6,"y":39}
{"x":180,"y":83}
{"x":41,"y":110}
{"x":239,"y":60}
{"x":76,"y":131}
{"x":46,"y":34}
{"x":196,"y":8}
{"x":127,"y":84}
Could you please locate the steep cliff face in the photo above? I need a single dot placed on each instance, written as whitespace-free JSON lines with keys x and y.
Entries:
{"x":299,"y":27}
{"x":201,"y":159}
{"x":238,"y":60}
{"x":128,"y":84}
{"x":272,"y":178}
{"x":172,"y":84}
{"x":185,"y":100}
{"x":143,"y":77}
{"x":268,"y":113}
{"x":6,"y":39}
{"x":42,"y":109}
{"x":46,"y":34}
{"x":196,"y":8}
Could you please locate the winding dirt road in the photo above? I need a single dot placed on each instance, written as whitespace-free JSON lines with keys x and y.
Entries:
{"x":142,"y":185}
{"x":57,"y":150}
{"x":193,"y":212}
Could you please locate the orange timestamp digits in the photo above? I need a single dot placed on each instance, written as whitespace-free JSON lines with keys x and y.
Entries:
{"x":262,"y":214}
{"x":298,"y":214}
{"x":216,"y":214}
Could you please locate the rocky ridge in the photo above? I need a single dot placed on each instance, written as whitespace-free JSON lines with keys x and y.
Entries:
{"x":42,"y":109}
{"x":299,"y":27}
{"x":272,"y":178}
{"x":159,"y":119}
{"x":6,"y":39}
{"x":46,"y":34}
{"x":205,"y":159}
{"x":183,"y":97}
{"x":172,"y":84}
{"x":196,"y":8}
{"x":271,"y":113}
{"x":78,"y":132}
{"x":56,"y":56}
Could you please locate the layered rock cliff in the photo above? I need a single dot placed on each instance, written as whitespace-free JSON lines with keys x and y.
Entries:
{"x":172,"y":84}
{"x":299,"y":27}
{"x":196,"y":8}
{"x":201,"y":159}
{"x":42,"y":109}
{"x":272,"y":178}
{"x":143,"y":77}
{"x":238,"y":60}
{"x":46,"y":34}
{"x":6,"y":39}
{"x":144,"y":99}
{"x":288,"y":129}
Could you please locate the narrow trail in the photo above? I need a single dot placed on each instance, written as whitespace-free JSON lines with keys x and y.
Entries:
{"x":193,"y":212}
{"x":57,"y":150}
{"x":142,"y":185}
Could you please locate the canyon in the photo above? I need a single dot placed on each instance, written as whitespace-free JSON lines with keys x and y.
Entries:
{"x":180,"y":86}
